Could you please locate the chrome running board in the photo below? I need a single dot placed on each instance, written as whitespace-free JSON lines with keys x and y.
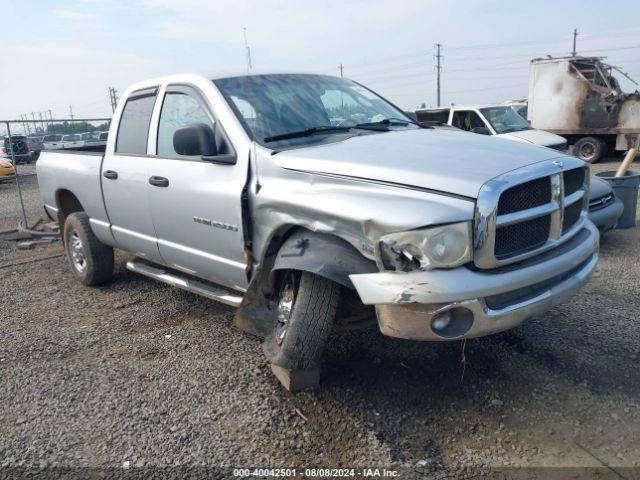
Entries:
{"x":189,"y":284}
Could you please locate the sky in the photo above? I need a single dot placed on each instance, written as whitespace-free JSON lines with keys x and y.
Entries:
{"x":63,"y":53}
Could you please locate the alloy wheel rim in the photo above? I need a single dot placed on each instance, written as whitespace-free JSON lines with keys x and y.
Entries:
{"x":76,"y":251}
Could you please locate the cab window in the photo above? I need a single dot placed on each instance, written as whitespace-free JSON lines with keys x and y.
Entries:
{"x":181,"y":107}
{"x":467,"y":120}
{"x":133,"y":130}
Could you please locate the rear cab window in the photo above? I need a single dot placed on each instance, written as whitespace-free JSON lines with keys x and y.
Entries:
{"x":133,"y":130}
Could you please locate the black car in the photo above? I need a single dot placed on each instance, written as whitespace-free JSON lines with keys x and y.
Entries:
{"x":35,"y":146}
{"x":19,"y":145}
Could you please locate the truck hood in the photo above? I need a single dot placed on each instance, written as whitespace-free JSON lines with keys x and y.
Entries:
{"x":453,"y":162}
{"x":537,"y":137}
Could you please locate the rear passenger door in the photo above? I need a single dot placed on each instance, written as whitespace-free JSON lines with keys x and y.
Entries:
{"x":197,"y":211}
{"x":125,"y":178}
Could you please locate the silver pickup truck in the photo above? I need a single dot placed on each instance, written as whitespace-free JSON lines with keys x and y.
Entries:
{"x":309,"y":202}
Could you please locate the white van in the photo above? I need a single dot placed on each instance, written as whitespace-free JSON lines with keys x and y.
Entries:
{"x":499,"y":120}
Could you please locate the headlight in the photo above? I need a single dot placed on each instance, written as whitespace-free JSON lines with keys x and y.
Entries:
{"x":446,"y":246}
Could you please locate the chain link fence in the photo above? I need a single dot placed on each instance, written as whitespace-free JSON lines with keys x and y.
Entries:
{"x":21,"y":144}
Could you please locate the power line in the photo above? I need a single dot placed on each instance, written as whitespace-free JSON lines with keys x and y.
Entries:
{"x":493,"y":87}
{"x":388,"y":61}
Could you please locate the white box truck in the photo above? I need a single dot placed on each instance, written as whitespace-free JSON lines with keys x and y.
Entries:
{"x":580,"y":99}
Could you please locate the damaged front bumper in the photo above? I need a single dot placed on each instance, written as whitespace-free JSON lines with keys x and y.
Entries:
{"x":475,"y":302}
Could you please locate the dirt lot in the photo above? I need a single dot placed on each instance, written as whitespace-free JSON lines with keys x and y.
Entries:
{"x":136,"y":374}
{"x":10,"y":211}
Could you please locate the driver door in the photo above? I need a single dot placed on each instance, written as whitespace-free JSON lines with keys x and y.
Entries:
{"x":197,"y":211}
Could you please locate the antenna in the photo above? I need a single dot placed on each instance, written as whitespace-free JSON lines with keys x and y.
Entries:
{"x":247,"y":50}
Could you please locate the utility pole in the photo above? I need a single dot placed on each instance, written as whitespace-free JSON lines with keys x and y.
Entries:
{"x":24,"y":125}
{"x":340,"y":67}
{"x":113,"y":98}
{"x":247,"y":50}
{"x":575,"y":35}
{"x":35,"y":125}
{"x":71,"y":112}
{"x":438,"y":69}
{"x":41,"y":121}
{"x":50,"y":121}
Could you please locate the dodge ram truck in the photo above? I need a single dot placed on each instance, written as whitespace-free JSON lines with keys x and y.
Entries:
{"x":309,"y":202}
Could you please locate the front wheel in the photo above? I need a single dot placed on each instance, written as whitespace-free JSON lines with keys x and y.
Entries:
{"x":90,"y":259}
{"x":306,"y":309}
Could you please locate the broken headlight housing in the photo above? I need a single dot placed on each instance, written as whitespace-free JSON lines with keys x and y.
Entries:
{"x":445,"y":246}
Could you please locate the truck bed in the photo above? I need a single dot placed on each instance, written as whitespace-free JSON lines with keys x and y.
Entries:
{"x":61,"y":171}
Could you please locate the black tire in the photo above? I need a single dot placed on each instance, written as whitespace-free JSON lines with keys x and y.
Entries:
{"x":312,"y":314}
{"x":589,"y":149}
{"x":91,"y":260}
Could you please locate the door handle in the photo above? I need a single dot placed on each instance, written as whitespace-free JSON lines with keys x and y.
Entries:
{"x":159,"y":181}
{"x":110,"y":174}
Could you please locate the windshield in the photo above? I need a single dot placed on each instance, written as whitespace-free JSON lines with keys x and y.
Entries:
{"x":505,"y":119}
{"x":273,"y":105}
{"x":91,"y":136}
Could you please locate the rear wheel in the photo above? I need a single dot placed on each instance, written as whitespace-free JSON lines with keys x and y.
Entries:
{"x":306,"y":309}
{"x":589,"y":149}
{"x":90,"y":259}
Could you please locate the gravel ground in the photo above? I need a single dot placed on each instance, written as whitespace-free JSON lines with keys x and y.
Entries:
{"x":136,"y":374}
{"x":10,"y":211}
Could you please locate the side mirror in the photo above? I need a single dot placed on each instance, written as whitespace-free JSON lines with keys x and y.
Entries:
{"x":481,"y":130}
{"x":196,"y":139}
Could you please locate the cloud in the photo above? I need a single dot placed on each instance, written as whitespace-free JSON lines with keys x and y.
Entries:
{"x":84,"y":86}
{"x":73,"y":15}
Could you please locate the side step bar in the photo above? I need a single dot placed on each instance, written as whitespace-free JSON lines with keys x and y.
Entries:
{"x":191,"y":285}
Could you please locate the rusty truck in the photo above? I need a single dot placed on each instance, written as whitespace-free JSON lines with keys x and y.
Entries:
{"x":580,"y":99}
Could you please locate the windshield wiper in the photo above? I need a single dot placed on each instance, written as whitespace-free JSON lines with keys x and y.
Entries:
{"x":306,"y":132}
{"x":323,"y":129}
{"x":393,"y":121}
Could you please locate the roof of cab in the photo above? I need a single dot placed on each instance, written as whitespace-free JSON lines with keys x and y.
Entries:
{"x":182,"y":77}
{"x":461,"y":107}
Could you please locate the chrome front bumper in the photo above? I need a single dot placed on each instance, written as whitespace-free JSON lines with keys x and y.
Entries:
{"x":407,"y":303}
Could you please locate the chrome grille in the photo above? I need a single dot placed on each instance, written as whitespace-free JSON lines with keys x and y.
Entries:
{"x":599,"y":203}
{"x":573,"y":180}
{"x":523,"y":236}
{"x":528,"y":195}
{"x":529,"y":211}
{"x":571,"y":215}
